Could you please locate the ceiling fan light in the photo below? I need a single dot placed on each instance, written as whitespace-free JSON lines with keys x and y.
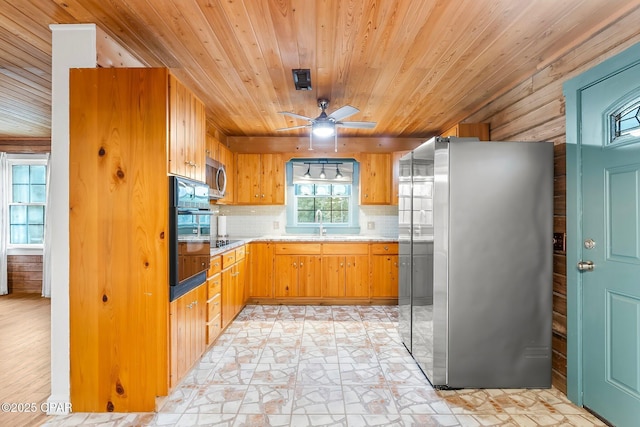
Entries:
{"x":323,"y":130}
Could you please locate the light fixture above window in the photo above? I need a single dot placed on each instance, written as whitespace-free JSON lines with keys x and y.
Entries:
{"x":322,"y":174}
{"x":308,"y":173}
{"x":338,"y":174}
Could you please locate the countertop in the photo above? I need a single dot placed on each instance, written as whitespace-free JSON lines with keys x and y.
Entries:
{"x":236,"y":242}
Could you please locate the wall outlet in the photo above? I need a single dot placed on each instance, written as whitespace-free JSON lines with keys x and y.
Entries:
{"x":276,"y":225}
{"x":371,"y":225}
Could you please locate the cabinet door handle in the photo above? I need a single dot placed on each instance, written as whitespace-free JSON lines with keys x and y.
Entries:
{"x":294,"y":265}
{"x":341,"y":265}
{"x":263,"y":196}
{"x":386,"y":248}
{"x":256,"y":196}
{"x":301,"y":264}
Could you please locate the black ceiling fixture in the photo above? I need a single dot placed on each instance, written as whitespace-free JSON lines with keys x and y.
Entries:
{"x":302,"y":78}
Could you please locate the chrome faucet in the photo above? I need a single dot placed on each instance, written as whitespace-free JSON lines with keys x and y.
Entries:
{"x":322,"y":231}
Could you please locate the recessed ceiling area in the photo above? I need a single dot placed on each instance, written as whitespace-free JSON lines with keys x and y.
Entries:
{"x":413,"y":67}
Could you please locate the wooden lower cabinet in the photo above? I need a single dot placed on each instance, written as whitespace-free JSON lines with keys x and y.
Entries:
{"x":345,"y":276}
{"x":187,"y":318}
{"x":233,"y":293}
{"x":324,"y":272}
{"x":297,"y":275}
{"x":260,"y":270}
{"x":384,"y":273}
{"x":214,"y":307}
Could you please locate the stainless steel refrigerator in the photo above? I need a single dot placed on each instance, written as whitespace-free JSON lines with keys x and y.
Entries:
{"x":476,"y":247}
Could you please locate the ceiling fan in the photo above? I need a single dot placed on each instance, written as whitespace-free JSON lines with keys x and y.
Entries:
{"x":325,"y":124}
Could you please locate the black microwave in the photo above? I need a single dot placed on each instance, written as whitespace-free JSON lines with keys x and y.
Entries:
{"x":216,"y":178}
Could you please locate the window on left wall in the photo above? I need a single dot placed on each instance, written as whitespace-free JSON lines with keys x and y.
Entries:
{"x":27,"y":195}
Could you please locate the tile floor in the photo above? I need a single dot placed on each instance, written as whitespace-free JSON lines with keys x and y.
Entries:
{"x":329,"y":366}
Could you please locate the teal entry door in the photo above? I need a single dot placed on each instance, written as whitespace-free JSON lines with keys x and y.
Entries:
{"x":610,"y":258}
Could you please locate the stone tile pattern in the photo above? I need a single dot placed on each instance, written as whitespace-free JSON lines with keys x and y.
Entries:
{"x":329,"y":366}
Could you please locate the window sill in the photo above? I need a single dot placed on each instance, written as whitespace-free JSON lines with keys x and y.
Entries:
{"x":25,"y":251}
{"x":295,"y":229}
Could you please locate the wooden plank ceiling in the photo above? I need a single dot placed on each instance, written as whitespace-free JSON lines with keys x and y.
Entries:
{"x":414,"y":67}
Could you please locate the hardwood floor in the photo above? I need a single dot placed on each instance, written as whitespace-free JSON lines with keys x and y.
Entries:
{"x":25,"y":354}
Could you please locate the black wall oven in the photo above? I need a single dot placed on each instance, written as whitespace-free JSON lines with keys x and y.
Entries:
{"x":189,"y":236}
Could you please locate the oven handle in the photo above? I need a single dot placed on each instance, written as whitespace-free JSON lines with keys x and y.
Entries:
{"x":195,"y":239}
{"x":195,"y":212}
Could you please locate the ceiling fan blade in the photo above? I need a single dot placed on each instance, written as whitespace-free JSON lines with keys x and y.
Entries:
{"x":293,"y":127}
{"x":343,"y":112}
{"x":357,"y":125}
{"x":297,"y":116}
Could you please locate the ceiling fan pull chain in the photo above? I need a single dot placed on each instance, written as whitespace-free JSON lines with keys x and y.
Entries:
{"x":335,"y":141}
{"x":310,"y":141}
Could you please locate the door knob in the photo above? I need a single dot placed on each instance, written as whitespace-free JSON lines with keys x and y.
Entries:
{"x":586,"y":266}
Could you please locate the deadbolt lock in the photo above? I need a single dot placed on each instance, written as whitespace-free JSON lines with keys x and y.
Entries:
{"x":589,"y":244}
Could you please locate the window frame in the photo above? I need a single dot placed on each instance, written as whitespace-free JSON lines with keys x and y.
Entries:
{"x":352,"y":226}
{"x":31,"y":160}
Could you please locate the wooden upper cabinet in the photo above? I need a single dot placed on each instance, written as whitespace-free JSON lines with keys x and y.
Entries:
{"x":260,"y":179}
{"x":395,"y":178}
{"x":212,"y":148}
{"x":461,"y":130}
{"x":375,"y":179}
{"x":272,"y":179}
{"x":187,"y":132}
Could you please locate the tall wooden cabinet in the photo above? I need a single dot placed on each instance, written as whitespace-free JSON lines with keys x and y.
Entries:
{"x":187,"y":127}
{"x":125,"y":129}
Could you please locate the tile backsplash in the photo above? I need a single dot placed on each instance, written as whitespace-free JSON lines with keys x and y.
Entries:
{"x":254,"y":221}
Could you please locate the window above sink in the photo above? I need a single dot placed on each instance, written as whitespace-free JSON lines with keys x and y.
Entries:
{"x":322,"y":196}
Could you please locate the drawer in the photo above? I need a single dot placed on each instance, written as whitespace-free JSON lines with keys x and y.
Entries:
{"x":213,"y":285}
{"x":390,"y":248}
{"x":228,"y":258}
{"x":213,"y":308}
{"x":213,"y":329}
{"x":240,"y":253}
{"x":298,"y":248}
{"x":214,"y":266}
{"x":345,"y":248}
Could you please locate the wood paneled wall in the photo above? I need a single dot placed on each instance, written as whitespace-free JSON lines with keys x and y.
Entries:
{"x":25,"y":145}
{"x":535,"y":111}
{"x":24,"y":274}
